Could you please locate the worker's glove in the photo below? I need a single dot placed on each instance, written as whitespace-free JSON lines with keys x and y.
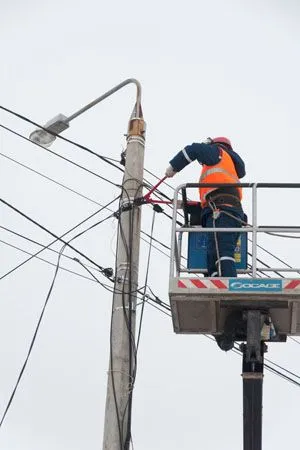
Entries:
{"x":208,"y":141}
{"x":170,"y":172}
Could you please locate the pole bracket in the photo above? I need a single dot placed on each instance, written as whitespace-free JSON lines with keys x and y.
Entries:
{"x":255,"y":319}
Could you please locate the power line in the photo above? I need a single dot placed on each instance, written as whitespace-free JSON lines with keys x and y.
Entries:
{"x":146,"y":282}
{"x":22,"y":236}
{"x":104,"y":158}
{"x":236,"y":348}
{"x":85,"y":266}
{"x":132,"y":367}
{"x":43,"y":311}
{"x":156,"y":307}
{"x":282,"y":375}
{"x":76,"y":144}
{"x":30,"y":346}
{"x":259,"y":246}
{"x":158,"y":192}
{"x":274,"y":371}
{"x":66,"y":256}
{"x":45,"y":260}
{"x":274,"y":256}
{"x":156,"y":240}
{"x":282,"y":368}
{"x":60,"y":156}
{"x":73,"y":163}
{"x":295,"y":340}
{"x":105,"y":286}
{"x":66,"y":187}
{"x":277,"y":372}
{"x":55,"y":181}
{"x":266,"y":265}
{"x":75,"y":192}
{"x":50,"y":179}
{"x":57,"y":238}
{"x":156,"y":248}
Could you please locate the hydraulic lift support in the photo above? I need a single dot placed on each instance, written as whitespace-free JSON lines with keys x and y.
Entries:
{"x":247,"y":309}
{"x":253,"y":364}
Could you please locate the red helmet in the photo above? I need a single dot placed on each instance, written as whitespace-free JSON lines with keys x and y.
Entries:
{"x":221,"y":140}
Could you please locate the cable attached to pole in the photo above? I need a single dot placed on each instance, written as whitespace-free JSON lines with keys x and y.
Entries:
{"x":106,"y":271}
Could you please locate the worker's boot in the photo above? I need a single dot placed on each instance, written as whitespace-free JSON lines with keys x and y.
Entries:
{"x":225,"y":342}
{"x":233,"y":325}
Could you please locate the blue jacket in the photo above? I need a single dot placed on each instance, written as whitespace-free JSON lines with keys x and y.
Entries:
{"x":208,"y":154}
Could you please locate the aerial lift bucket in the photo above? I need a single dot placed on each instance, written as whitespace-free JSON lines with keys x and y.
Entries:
{"x":202,"y":305}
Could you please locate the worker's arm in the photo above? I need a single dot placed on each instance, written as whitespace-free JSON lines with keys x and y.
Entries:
{"x":208,"y":154}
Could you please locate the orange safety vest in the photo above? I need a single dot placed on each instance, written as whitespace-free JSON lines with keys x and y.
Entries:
{"x":222,"y":172}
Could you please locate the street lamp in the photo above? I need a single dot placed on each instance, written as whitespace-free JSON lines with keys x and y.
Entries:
{"x":122,"y":336}
{"x":56,"y":125}
{"x":46,"y":136}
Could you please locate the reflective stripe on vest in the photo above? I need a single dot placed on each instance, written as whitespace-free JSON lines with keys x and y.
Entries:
{"x":218,"y":170}
{"x":222,"y":172}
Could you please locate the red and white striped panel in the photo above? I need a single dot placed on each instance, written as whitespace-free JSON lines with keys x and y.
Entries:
{"x":189,"y":283}
{"x":291,"y":284}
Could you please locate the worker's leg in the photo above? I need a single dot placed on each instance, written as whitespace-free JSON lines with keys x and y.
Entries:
{"x":211,"y":248}
{"x":225,"y":243}
{"x":221,"y":246}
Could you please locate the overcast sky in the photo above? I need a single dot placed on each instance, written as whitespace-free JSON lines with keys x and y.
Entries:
{"x":207,"y":68}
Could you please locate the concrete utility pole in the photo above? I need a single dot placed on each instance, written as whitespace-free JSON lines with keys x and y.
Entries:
{"x":122,"y":335}
{"x":122,"y":347}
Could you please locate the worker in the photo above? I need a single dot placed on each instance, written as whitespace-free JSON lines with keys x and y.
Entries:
{"x":221,"y":206}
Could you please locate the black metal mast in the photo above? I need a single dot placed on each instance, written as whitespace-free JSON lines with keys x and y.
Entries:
{"x":253,"y":366}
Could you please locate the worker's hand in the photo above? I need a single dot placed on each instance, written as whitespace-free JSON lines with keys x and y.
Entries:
{"x":170,"y":172}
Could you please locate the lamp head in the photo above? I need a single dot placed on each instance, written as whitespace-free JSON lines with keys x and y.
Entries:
{"x":56,"y":125}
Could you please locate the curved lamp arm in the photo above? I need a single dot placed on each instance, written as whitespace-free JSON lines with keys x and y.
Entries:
{"x":46,"y":136}
{"x":109,"y":93}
